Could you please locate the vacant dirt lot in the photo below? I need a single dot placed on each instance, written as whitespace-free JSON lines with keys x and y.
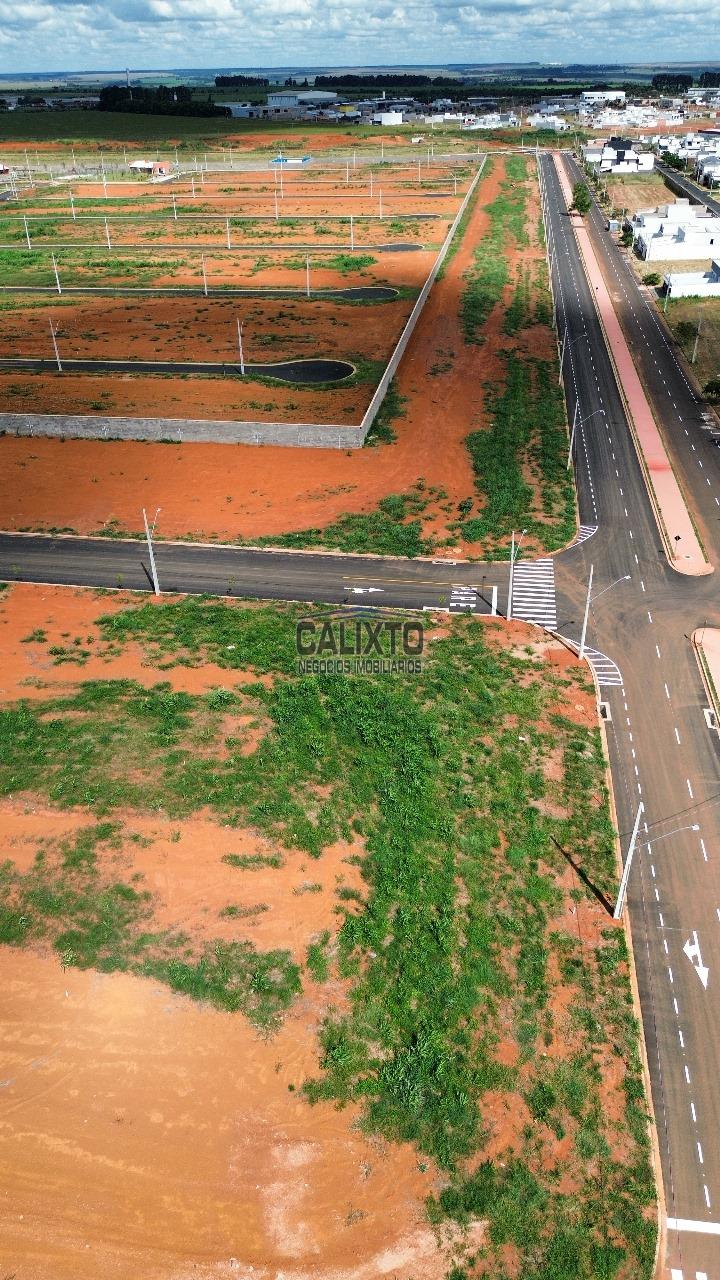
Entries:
{"x":632,"y":193}
{"x":145,"y":1134}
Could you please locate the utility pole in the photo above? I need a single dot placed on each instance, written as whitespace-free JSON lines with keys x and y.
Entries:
{"x":380,"y":205}
{"x":227,"y":228}
{"x":585,"y":618}
{"x":204,"y":274}
{"x":307,"y":277}
{"x":572,"y":436}
{"x":352,"y":235}
{"x":277,"y":212}
{"x":72,"y":207}
{"x":27,"y":233}
{"x":562,"y":357}
{"x":192,"y":181}
{"x":617,"y":913}
{"x":148,"y":534}
{"x":514,"y":548}
{"x":57,"y":277}
{"x":53,"y":335}
{"x":697,"y":339}
{"x":174,"y":205}
{"x":240,"y":324}
{"x":107,"y":234}
{"x":371,"y":182}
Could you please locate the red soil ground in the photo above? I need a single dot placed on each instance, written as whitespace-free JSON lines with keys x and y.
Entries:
{"x":182,"y":328}
{"x":242,"y":493}
{"x":146,"y":1135}
{"x":83,"y":484}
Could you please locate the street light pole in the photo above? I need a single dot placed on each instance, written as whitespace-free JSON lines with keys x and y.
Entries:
{"x":628,"y":863}
{"x":151,"y":553}
{"x":694,"y":826}
{"x":590,"y":600}
{"x":53,"y":335}
{"x":580,"y":423}
{"x":514,"y":548}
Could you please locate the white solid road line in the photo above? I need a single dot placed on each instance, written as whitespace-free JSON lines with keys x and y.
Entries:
{"x":693,"y":1224}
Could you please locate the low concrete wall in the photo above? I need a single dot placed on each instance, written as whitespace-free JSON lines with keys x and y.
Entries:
{"x":306,"y":435}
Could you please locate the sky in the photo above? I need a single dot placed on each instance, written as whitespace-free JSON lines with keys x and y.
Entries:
{"x":79,"y":35}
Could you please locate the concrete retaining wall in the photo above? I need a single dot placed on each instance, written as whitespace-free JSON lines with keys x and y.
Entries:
{"x":306,"y":435}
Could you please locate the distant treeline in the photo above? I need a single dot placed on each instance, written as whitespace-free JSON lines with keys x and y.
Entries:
{"x":230,"y":82}
{"x":166,"y":100}
{"x":350,"y":81}
{"x":675,"y":81}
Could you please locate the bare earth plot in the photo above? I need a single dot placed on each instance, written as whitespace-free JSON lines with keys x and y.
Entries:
{"x":297,"y":978}
{"x":480,"y":438}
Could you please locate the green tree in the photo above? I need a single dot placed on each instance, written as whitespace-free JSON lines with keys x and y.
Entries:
{"x":582,"y":202}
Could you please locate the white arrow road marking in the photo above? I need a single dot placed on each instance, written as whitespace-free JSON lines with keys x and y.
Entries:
{"x":365,"y":591}
{"x":692,"y":951}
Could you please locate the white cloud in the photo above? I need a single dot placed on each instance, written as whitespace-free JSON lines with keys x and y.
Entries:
{"x":79,"y":35}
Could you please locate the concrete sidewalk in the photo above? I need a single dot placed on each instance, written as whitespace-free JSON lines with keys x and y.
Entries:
{"x":682,"y":545}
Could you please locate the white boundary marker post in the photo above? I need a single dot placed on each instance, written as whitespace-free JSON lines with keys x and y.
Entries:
{"x":240,"y":324}
{"x":55,"y":269}
{"x":27,"y":233}
{"x":204,"y":274}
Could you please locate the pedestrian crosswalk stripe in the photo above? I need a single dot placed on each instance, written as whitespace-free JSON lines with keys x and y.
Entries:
{"x":534,"y":592}
{"x":585,"y":531}
{"x":463,"y":599}
{"x":607,"y":672}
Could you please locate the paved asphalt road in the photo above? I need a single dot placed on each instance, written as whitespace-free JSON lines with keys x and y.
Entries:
{"x":662,"y":751}
{"x":363,"y":293}
{"x":240,"y":246}
{"x":699,"y":194}
{"x":301,"y":372}
{"x":258,"y":574}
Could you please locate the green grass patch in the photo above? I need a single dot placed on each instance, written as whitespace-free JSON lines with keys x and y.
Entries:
{"x":393,"y":529}
{"x":527,"y":428}
{"x":392,"y":408}
{"x":487,"y":277}
{"x":459,"y":941}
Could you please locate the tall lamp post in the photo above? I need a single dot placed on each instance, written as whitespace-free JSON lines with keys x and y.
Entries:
{"x":591,"y":600}
{"x":577,"y":424}
{"x":514,"y":548}
{"x":149,"y":531}
{"x":622,"y":892}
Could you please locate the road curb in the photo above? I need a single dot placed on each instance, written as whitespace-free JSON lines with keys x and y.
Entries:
{"x":705,"y":672}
